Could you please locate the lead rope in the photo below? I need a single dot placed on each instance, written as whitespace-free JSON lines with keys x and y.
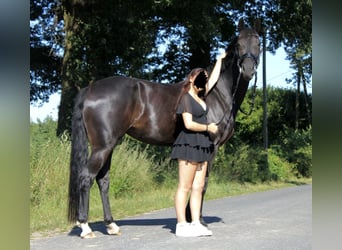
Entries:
{"x":251,"y":103}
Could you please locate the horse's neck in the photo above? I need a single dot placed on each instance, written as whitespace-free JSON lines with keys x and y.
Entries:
{"x":226,"y":84}
{"x":225,"y":97}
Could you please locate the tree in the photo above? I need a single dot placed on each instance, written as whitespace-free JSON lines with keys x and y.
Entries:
{"x":102,"y":38}
{"x":93,"y":49}
{"x":45,"y":50}
{"x":297,"y":41}
{"x":76,"y":42}
{"x":280,"y":115}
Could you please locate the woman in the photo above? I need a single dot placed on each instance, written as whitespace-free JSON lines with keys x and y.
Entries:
{"x":192,"y":149}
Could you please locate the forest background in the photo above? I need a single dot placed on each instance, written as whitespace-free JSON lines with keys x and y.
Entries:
{"x":73,"y":43}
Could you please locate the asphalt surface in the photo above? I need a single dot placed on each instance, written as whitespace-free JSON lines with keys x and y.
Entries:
{"x":277,"y":219}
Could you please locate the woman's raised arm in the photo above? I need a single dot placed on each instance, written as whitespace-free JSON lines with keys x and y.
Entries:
{"x":215,"y":72}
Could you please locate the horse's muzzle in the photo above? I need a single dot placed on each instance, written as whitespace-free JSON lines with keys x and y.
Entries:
{"x":248,"y":70}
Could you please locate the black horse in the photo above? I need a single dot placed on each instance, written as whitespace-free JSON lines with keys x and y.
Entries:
{"x":112,"y":107}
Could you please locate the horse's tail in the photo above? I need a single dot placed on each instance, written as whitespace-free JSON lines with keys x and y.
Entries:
{"x":79,"y":155}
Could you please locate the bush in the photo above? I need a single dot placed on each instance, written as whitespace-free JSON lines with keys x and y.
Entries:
{"x":129,"y":170}
{"x":303,"y":160}
{"x":296,"y":147}
{"x":278,"y":168}
{"x":162,"y":169}
{"x":245,"y":163}
{"x":242,"y":165}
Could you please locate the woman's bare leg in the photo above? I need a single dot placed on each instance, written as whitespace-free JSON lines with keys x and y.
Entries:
{"x":197,"y":191}
{"x":186,"y":175}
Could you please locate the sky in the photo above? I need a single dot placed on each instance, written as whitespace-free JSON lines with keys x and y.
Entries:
{"x":277,"y":69}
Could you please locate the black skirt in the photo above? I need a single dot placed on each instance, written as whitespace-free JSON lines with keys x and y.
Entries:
{"x":192,"y":146}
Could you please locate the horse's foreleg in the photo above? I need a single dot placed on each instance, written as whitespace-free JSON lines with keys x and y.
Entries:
{"x":103,"y":180}
{"x":203,"y":193}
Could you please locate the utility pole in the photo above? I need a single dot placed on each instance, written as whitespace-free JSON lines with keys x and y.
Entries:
{"x":265,"y":129}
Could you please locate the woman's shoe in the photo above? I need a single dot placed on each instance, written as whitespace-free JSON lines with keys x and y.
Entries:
{"x":199,"y":230}
{"x":184,"y":229}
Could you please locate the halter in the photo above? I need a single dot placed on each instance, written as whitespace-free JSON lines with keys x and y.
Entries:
{"x":256,"y":61}
{"x":248,"y":54}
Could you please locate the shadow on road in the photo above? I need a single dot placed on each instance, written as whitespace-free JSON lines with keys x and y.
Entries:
{"x":167,"y":223}
{"x":298,"y":183}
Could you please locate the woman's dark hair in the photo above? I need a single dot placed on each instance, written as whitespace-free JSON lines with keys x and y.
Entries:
{"x":201,"y":80}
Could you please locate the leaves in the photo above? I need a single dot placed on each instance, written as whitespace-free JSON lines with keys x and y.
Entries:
{"x":76,"y":42}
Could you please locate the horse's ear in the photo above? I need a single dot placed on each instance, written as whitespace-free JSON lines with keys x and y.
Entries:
{"x":257,"y":25}
{"x":241,"y":24}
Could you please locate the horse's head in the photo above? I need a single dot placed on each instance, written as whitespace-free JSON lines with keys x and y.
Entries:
{"x":247,"y":49}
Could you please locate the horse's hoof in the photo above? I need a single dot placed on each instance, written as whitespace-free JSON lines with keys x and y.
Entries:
{"x":113,"y":229}
{"x":87,"y":233}
{"x":88,"y":236}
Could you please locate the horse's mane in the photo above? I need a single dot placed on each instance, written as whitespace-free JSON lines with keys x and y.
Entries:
{"x":230,"y":50}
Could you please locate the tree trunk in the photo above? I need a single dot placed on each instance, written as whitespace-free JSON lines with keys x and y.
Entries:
{"x":69,"y":89}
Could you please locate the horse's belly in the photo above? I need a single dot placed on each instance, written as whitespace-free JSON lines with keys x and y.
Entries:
{"x":150,"y":136}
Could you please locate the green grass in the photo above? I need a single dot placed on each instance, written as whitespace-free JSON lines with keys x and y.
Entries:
{"x":50,"y":215}
{"x":139,"y":183}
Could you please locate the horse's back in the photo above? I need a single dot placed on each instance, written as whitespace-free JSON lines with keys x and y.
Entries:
{"x":140,"y":108}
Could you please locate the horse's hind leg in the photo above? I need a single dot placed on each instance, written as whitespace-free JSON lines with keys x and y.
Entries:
{"x":103,"y":180}
{"x":97,"y":160}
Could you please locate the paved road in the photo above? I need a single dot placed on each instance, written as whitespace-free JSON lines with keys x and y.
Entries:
{"x":277,"y":219}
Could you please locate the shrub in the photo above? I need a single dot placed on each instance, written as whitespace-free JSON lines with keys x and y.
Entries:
{"x":279,"y":169}
{"x":129,"y":170}
{"x":296,"y":147}
{"x":303,"y":160}
{"x":162,"y":169}
{"x":242,"y":165}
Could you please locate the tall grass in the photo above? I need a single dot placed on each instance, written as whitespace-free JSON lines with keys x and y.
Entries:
{"x":48,"y":182}
{"x":142,"y":179}
{"x":133,"y":185}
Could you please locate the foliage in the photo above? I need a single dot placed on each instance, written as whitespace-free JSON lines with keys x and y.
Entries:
{"x":244,"y":164}
{"x":130,"y":171}
{"x":76,"y":42}
{"x":162,"y":168}
{"x":280,"y":114}
{"x":296,"y":147}
{"x":279,"y":169}
{"x":45,"y":50}
{"x":290,"y":154}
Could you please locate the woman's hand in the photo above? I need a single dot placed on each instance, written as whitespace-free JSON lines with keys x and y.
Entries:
{"x":223,"y":55}
{"x":212,"y":128}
